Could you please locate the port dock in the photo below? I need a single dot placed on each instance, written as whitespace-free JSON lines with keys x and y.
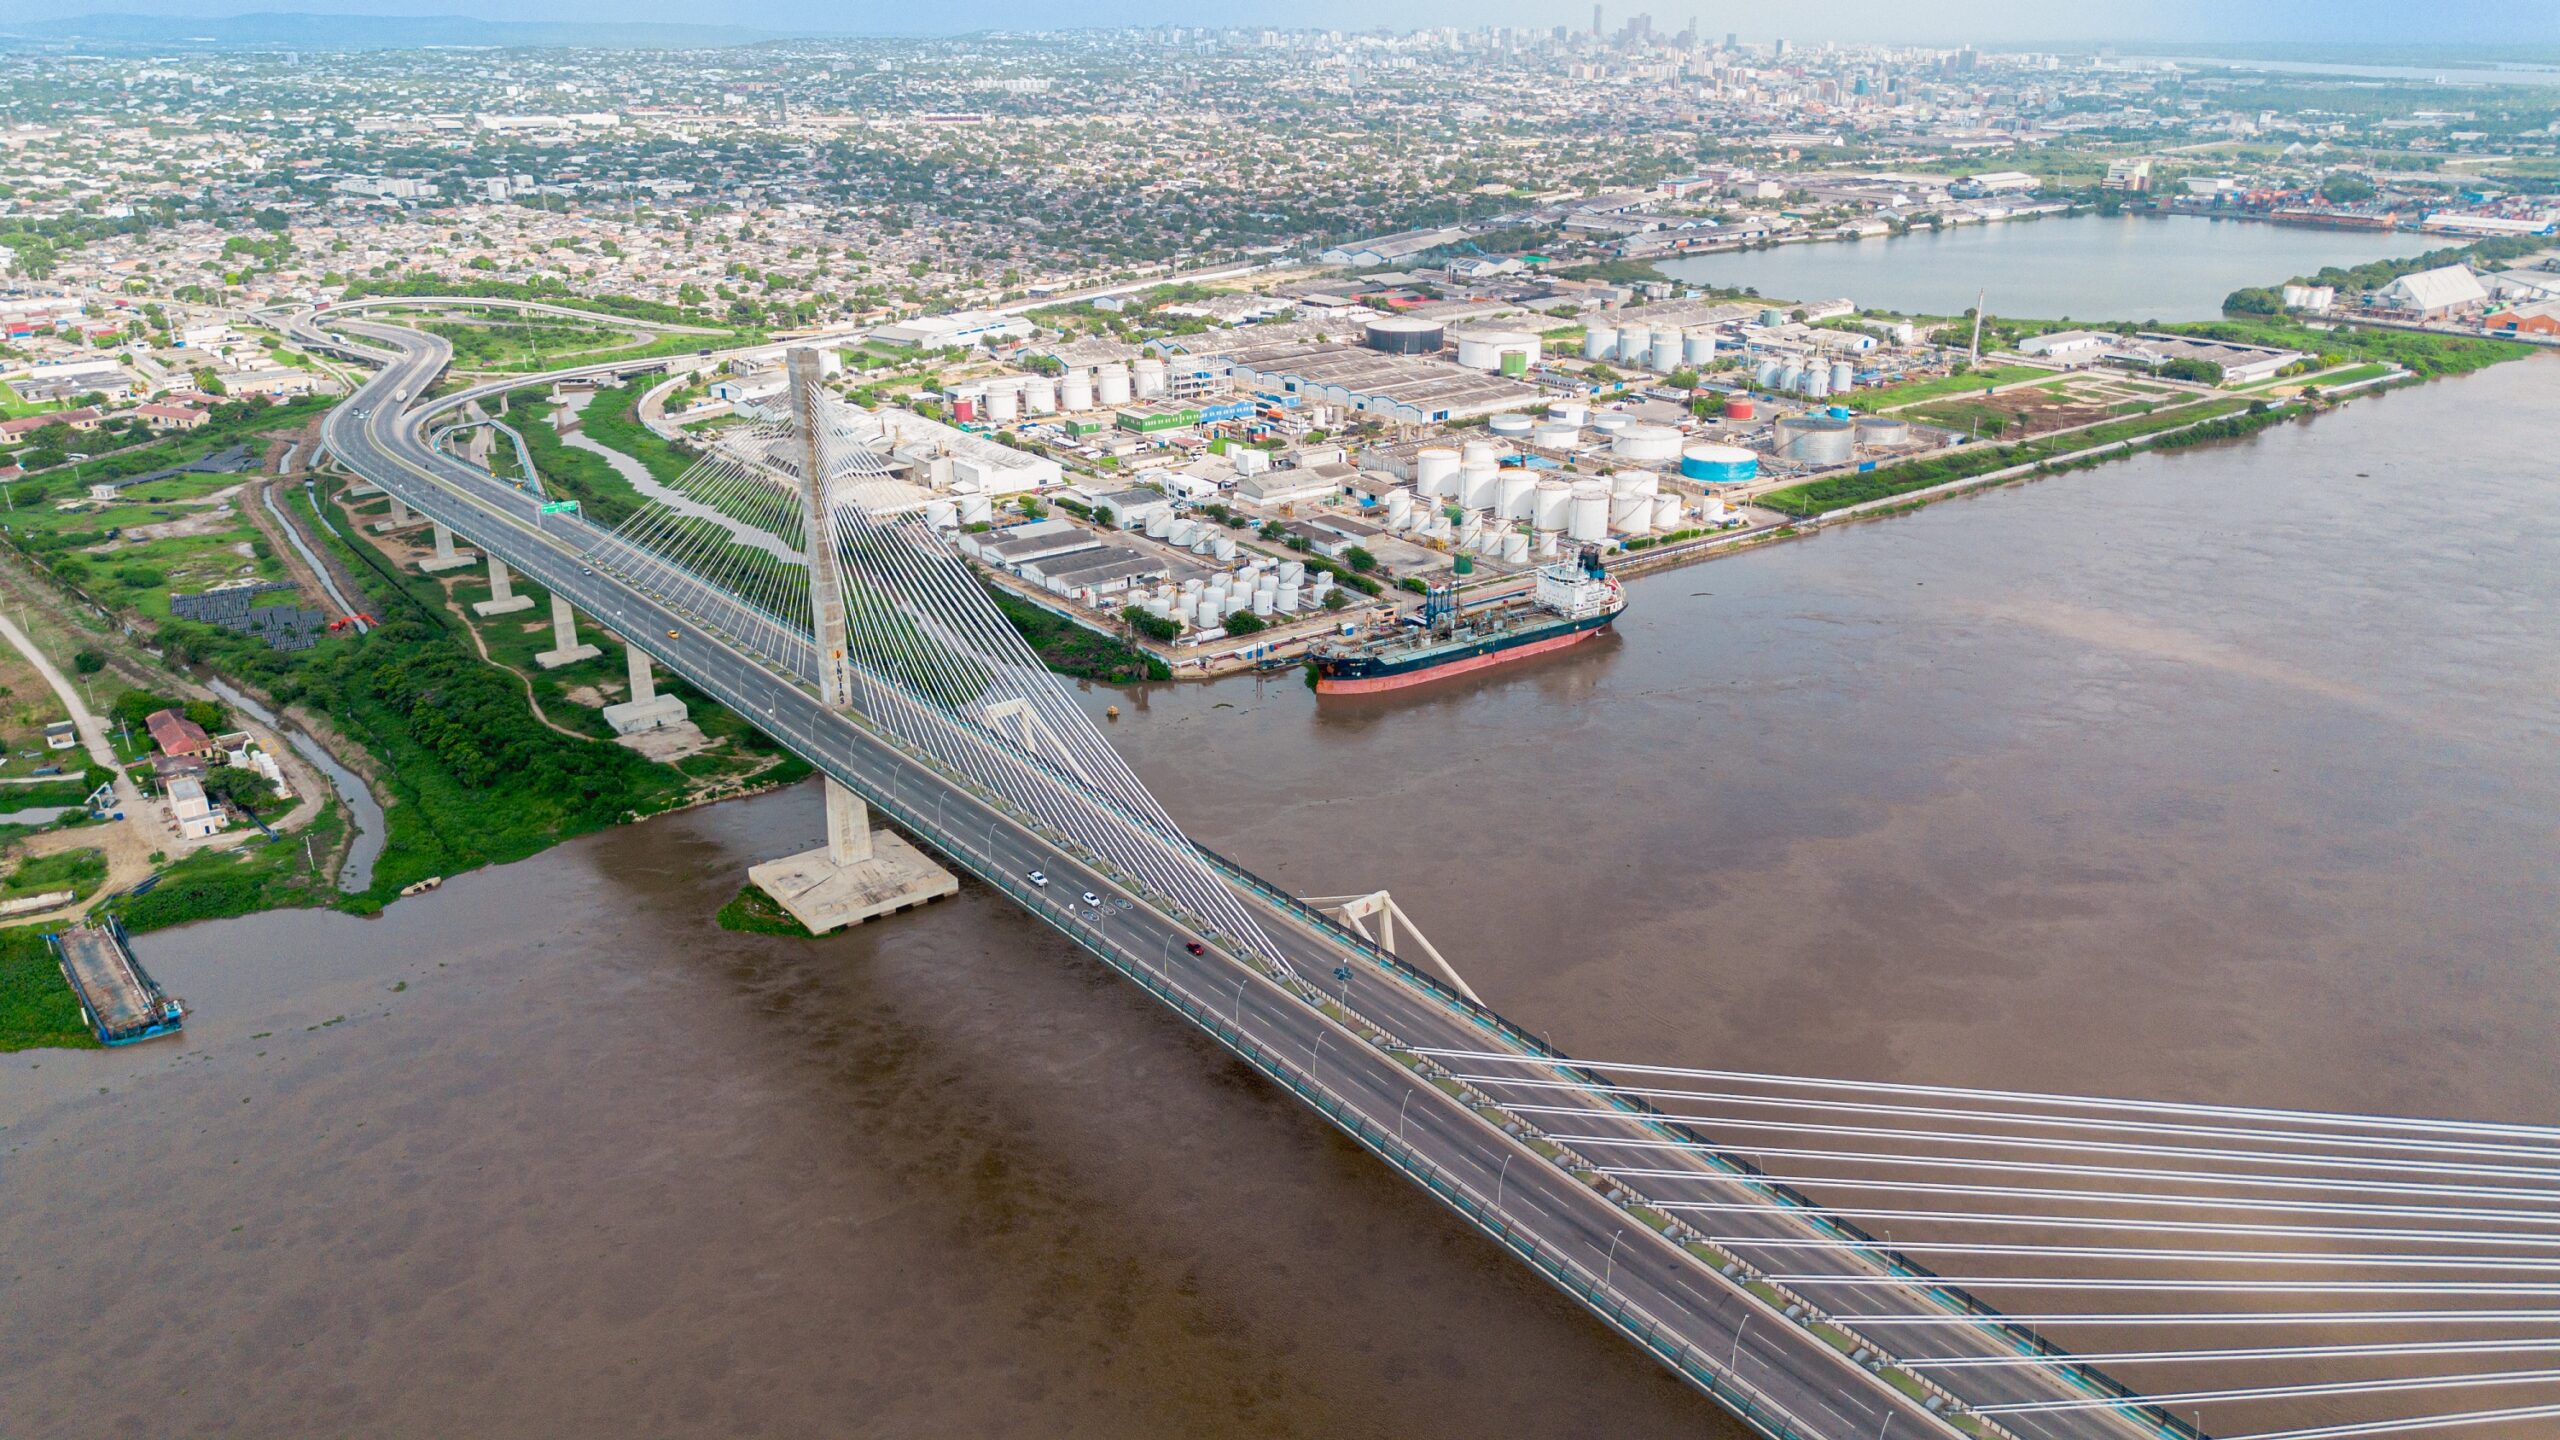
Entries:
{"x":121,"y":1001}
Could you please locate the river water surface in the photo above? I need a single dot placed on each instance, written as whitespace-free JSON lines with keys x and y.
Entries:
{"x":2226,"y":775}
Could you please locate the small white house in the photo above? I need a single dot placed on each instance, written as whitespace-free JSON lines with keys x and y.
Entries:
{"x":2067,"y":345}
{"x":196,"y":817}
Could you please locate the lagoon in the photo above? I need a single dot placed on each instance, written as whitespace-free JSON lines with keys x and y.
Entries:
{"x":2085,"y":267}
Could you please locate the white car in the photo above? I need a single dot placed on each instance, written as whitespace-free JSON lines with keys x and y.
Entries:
{"x":1037,"y":878}
{"x":1093,"y":900}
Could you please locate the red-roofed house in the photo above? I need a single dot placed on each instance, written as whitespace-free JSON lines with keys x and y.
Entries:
{"x":84,"y":418}
{"x":175,"y":734}
{"x":171,"y":417}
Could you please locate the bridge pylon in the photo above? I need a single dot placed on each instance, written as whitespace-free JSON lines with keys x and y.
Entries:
{"x":1378,"y":919}
{"x":859,"y":873}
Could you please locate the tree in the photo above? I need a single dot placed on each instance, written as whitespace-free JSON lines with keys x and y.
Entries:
{"x":1244,"y":622}
{"x":2344,"y":189}
{"x":1359,"y":560}
{"x":88,"y":662}
{"x":2253,"y":300}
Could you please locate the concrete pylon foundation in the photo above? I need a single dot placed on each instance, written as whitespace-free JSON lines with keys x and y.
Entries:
{"x":859,"y":874}
{"x":503,"y":600}
{"x":646,"y":709}
{"x":445,"y":556}
{"x":565,"y":649}
{"x":401,"y":518}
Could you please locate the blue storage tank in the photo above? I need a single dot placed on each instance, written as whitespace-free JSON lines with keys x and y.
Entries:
{"x":1719,"y":464}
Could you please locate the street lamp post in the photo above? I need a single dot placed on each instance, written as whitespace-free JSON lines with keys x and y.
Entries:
{"x":1498,"y":1178}
{"x":1609,"y":1272}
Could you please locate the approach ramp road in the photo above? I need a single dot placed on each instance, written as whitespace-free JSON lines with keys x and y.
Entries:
{"x":1783,"y":1378}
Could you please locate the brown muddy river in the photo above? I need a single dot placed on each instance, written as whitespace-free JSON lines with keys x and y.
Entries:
{"x":2223,"y":776}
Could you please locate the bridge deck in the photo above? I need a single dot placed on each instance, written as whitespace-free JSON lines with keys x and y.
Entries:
{"x":1784,"y":1379}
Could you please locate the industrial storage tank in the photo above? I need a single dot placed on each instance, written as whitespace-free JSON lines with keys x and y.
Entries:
{"x":977,"y":509}
{"x":1631,"y":514}
{"x":1741,"y":407}
{"x":1111,"y":385}
{"x":941,"y":514}
{"x":1075,"y":392}
{"x":1478,"y":485}
{"x":1817,"y":382}
{"x":1148,"y":377}
{"x":1884,"y":430}
{"x":1483,"y":452}
{"x":1515,"y":547}
{"x":1399,"y":508}
{"x":1515,"y":497}
{"x":1698,"y":348}
{"x":1039,"y":395}
{"x":1600,"y":342}
{"x":1569,"y":412}
{"x":1666,"y":351}
{"x":1844,"y":377}
{"x":1766,"y":377}
{"x":1291,"y":571}
{"x":1435,"y":471}
{"x":1223,"y":547}
{"x":1610,"y":423}
{"x":1773,"y":317}
{"x":1405,"y":335}
{"x":1647,"y":444}
{"x":1510,"y":352}
{"x":1509,"y":427}
{"x":1712,"y":510}
{"x":1718,"y":464}
{"x":1551,"y":504}
{"x":1286,"y":602}
{"x":1906,"y":334}
{"x":1588,"y":520}
{"x":1790,"y":375}
{"x":1815,"y":439}
{"x":1003,"y":404}
{"x":1634,"y":482}
{"x":1666,"y":511}
{"x":1555,"y":435}
{"x":1183,"y":533}
{"x":1159,"y":524}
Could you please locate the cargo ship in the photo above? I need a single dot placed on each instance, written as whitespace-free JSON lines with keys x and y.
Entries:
{"x":1569,"y":603}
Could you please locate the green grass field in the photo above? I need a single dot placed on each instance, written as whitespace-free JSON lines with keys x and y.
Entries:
{"x":37,"y":1010}
{"x":1972,"y":382}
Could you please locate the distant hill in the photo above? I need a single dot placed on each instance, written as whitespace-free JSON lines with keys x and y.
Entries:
{"x":290,"y":31}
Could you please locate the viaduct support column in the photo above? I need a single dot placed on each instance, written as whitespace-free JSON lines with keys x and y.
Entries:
{"x":565,"y":649}
{"x":446,"y":557}
{"x":860,"y":873}
{"x":503,"y":600}
{"x":401,"y":518}
{"x":646,"y":709}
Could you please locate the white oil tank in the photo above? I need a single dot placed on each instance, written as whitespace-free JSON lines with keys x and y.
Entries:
{"x":1435,"y":471}
{"x":1766,"y":377}
{"x":1004,"y":404}
{"x":1515,"y":498}
{"x":1569,"y":412}
{"x":1844,"y":377}
{"x":1509,"y":427}
{"x":1483,"y":452}
{"x":1291,"y":571}
{"x":1610,"y":422}
{"x":1075,"y":392}
{"x":1477,"y":486}
{"x":977,"y":509}
{"x":1634,"y":482}
{"x":1111,"y":385}
{"x":1817,"y":382}
{"x":1515,"y":546}
{"x":1589,"y":518}
{"x":1666,"y":511}
{"x":1666,"y":351}
{"x":1712,"y":510}
{"x":1183,"y":532}
{"x":941,"y":514}
{"x":1600,"y":342}
{"x":1287,"y":600}
{"x":1147,"y":377}
{"x":1039,"y":395}
{"x":1223,"y":547}
{"x":1631,"y":514}
{"x":1399,"y":508}
{"x":1546,"y":544}
{"x":1698,"y":349}
{"x":1159,"y":524}
{"x":1647,"y":444}
{"x":1552,"y":503}
{"x":1555,"y":435}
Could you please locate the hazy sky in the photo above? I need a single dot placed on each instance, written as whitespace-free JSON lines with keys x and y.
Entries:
{"x":2156,"y":23}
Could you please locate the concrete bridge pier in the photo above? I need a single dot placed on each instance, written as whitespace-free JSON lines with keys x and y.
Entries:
{"x":402,"y":517}
{"x":646,"y":709}
{"x":565,"y":649}
{"x":446,"y":557}
{"x":503,"y":600}
{"x":859,"y":874}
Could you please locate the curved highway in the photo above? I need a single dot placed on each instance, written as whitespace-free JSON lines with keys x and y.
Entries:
{"x":1781,"y":1377}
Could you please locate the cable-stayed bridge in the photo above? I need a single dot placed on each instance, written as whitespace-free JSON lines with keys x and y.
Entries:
{"x":1823,"y":1257}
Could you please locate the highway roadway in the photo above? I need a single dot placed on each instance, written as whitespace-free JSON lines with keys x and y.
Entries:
{"x":1785,"y":1380}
